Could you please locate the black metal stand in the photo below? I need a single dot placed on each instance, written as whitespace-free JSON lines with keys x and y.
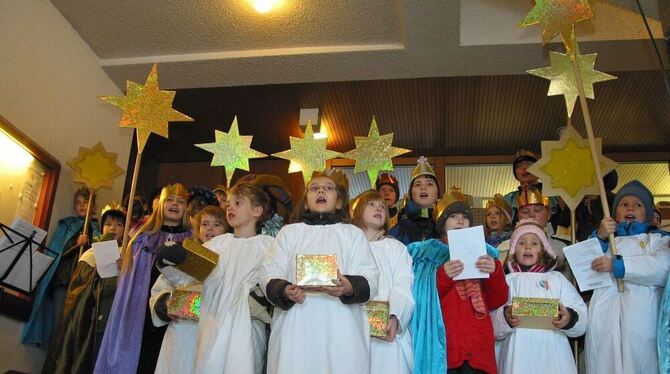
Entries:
{"x":27,"y":243}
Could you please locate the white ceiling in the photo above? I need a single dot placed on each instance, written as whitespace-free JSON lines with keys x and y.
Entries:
{"x":210,"y":43}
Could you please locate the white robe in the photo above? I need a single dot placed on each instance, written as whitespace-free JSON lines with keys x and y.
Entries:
{"x":622,"y":326}
{"x":228,"y":340}
{"x":534,"y":350}
{"x":321,"y":335}
{"x":395,"y":286}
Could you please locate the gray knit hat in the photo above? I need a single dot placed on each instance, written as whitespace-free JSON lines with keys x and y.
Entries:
{"x":639,"y":190}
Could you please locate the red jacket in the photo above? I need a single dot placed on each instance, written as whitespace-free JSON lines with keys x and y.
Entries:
{"x":468,"y":338}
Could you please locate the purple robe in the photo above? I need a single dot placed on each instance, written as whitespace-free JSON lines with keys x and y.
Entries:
{"x":121,"y":344}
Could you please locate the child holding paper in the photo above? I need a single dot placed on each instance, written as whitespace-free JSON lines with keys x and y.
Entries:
{"x":392,"y":353}
{"x":531,"y":263}
{"x":326,"y":331}
{"x":622,"y":325}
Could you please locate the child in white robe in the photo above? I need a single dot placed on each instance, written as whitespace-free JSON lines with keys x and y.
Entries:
{"x":393,"y":353}
{"x":531,"y":263}
{"x":325,"y":331}
{"x":178,"y":349}
{"x":622,"y":325}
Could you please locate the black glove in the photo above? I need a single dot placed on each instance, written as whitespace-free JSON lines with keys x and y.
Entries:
{"x":170,"y":255}
{"x":160,"y":307}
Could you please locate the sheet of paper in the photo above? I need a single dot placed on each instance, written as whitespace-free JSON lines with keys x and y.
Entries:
{"x":579,"y":257}
{"x":106,"y":253}
{"x":467,"y":245}
{"x":13,"y":246}
{"x":20,"y":275}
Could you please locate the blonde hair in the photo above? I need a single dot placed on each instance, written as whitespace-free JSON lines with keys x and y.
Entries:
{"x":212,"y":210}
{"x":155,"y":221}
{"x":361,"y":202}
{"x":257,"y":197}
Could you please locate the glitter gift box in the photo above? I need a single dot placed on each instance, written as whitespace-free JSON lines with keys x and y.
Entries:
{"x":378,"y":317}
{"x":535,"y":312}
{"x":199,"y":262}
{"x":313,"y":271}
{"x":184,"y":304}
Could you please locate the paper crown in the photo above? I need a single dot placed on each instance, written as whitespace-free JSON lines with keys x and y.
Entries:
{"x":447,"y":199}
{"x":114,"y":205}
{"x":531,"y":196}
{"x":499,"y":202}
{"x":423,"y":168}
{"x":173,"y":189}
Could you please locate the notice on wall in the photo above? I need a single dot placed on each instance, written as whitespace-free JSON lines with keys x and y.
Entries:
{"x":29,"y":195}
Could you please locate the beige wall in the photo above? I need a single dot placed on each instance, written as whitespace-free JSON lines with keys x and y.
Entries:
{"x":49,"y":83}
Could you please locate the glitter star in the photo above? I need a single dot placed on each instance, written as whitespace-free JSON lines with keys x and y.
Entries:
{"x":231,"y":150}
{"x":562,"y":77}
{"x":95,"y":167}
{"x":146,"y":108}
{"x":558,"y":17}
{"x":374,"y":152}
{"x":307,"y":155}
{"x":566,"y":167}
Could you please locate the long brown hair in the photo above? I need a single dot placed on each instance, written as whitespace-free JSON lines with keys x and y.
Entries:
{"x":361,"y":202}
{"x":342,"y":194}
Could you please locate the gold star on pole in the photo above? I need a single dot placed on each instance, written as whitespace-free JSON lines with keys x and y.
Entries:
{"x":307,"y":154}
{"x":231,"y":150}
{"x":558,"y":17}
{"x":95,"y":167}
{"x":562,"y":77}
{"x":566,"y":167}
{"x":374,"y":152}
{"x":146,"y":108}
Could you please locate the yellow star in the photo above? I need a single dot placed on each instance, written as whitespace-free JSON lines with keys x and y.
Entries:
{"x":231,"y":150}
{"x":566,"y":167}
{"x":308,"y":155}
{"x":558,"y":17}
{"x":146,"y":108}
{"x":95,"y":167}
{"x":562,"y":77}
{"x":373,"y":153}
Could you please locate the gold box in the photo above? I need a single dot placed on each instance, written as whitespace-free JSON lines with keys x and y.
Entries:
{"x":184,"y":304}
{"x":378,"y":317}
{"x":199,"y":262}
{"x":535,"y":312}
{"x":313,"y":271}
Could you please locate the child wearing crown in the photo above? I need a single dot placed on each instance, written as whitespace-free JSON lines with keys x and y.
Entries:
{"x":415,"y":220}
{"x":498,"y":221}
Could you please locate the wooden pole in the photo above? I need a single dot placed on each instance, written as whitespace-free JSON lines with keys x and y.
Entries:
{"x":88,"y":217}
{"x":594,"y":156}
{"x":131,"y":200}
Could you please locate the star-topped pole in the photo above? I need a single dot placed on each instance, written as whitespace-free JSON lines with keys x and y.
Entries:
{"x":148,"y":109}
{"x":95,"y":168}
{"x":307,"y":155}
{"x":231,"y":150}
{"x":374,"y":152}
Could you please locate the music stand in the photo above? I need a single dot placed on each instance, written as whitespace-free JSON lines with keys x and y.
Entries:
{"x":26,"y":242}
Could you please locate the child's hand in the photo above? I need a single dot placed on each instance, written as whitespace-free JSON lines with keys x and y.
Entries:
{"x":486,"y":264}
{"x":82,"y":240}
{"x":453,"y":268}
{"x":563,"y":317}
{"x":607,"y":227}
{"x":391,"y":329}
{"x":602,"y":264}
{"x":511,"y":320}
{"x":295,"y":293}
{"x":342,"y":286}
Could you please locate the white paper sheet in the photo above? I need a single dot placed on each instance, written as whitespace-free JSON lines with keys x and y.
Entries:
{"x":106,"y":253}
{"x":468,"y":245}
{"x":580,"y":256}
{"x":26,"y":229}
{"x":20,"y":274}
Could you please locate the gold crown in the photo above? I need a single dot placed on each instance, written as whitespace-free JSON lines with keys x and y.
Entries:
{"x":114,"y":205}
{"x":423,"y":168}
{"x":447,"y":199}
{"x":500,"y":202}
{"x":173,"y":189}
{"x":531,"y":196}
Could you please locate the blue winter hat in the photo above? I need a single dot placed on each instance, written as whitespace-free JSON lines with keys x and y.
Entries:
{"x":639,"y":190}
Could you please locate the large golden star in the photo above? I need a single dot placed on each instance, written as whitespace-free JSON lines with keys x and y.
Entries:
{"x":95,"y":167}
{"x":562,"y":77}
{"x":231,"y":150}
{"x":307,"y":155}
{"x":146,"y":108}
{"x":374,"y":152}
{"x":558,"y":17}
{"x":566,"y":167}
